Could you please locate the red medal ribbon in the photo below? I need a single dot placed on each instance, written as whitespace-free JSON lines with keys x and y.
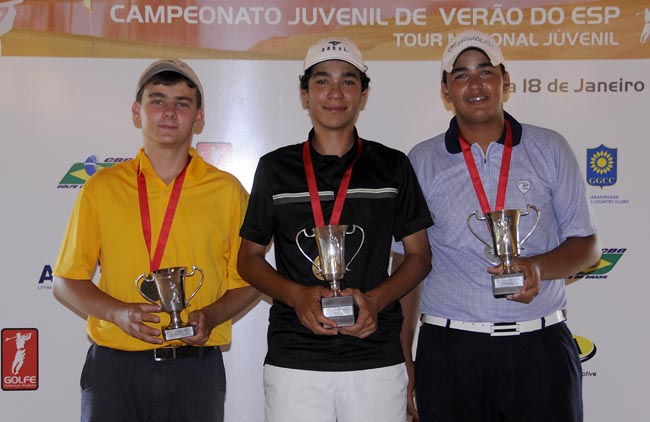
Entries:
{"x":503,"y":175}
{"x":154,"y":263}
{"x":313,"y":188}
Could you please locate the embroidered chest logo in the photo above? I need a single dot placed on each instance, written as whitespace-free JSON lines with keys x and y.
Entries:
{"x":523,"y":186}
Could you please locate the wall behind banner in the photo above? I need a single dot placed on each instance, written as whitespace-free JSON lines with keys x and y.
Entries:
{"x":62,"y":115}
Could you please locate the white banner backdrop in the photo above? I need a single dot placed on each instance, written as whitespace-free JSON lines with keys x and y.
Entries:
{"x":58,"y":112}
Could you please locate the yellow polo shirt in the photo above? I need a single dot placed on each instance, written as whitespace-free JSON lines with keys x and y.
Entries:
{"x":105,"y":228}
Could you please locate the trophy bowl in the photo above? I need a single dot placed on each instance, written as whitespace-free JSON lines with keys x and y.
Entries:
{"x":505,"y":245}
{"x":169,"y":287}
{"x":331,"y":265}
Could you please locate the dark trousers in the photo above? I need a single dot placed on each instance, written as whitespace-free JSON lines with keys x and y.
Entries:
{"x":133,"y":387}
{"x":473,"y":377}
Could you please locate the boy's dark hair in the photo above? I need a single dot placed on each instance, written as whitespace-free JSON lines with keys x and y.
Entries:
{"x":169,"y":78}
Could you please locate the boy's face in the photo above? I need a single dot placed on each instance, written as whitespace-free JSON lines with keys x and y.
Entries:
{"x":475,"y":87}
{"x":334,"y":98}
{"x":168,"y":114}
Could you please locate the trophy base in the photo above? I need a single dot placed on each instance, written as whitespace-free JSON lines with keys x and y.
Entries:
{"x":506,"y":284}
{"x":339,"y":309}
{"x":180,"y":332}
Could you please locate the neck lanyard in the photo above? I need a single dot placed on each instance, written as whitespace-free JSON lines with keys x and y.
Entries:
{"x":154,"y":263}
{"x":503,"y":174}
{"x":313,"y":188}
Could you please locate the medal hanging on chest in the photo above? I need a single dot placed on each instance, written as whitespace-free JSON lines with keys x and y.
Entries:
{"x":330,"y":241}
{"x":503,"y":224}
{"x":165,"y":287}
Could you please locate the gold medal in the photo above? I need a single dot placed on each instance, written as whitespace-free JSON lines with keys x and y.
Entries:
{"x":315,"y":269}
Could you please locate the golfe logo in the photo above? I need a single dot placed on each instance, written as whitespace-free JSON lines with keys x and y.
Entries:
{"x":19,"y":359}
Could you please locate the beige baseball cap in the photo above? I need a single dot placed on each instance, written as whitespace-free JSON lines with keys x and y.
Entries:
{"x":169,"y":65}
{"x":335,"y":49}
{"x":471,"y":39}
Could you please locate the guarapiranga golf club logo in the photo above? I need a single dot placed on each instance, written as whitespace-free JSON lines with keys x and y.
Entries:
{"x":79,"y":173}
{"x":601,"y":166}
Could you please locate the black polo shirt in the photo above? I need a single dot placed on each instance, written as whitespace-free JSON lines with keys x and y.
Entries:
{"x":383,"y":198}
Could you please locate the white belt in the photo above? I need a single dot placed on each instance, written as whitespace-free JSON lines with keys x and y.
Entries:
{"x":498,"y":328}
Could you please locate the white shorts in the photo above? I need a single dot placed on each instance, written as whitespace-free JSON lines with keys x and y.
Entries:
{"x":294,"y":395}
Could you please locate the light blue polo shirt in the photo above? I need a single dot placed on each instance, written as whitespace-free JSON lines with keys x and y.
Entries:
{"x":543,"y":172}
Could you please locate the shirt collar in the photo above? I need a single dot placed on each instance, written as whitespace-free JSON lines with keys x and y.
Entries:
{"x":451,"y":136}
{"x":350,"y":153}
{"x":196,"y":169}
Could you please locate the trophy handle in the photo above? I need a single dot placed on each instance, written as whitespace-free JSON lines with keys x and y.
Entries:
{"x":194,"y":268}
{"x":137,"y":286}
{"x":303,"y":252}
{"x":363,"y":237}
{"x":533,"y":207}
{"x":469,"y":226}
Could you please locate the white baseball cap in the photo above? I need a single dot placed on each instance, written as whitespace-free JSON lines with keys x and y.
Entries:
{"x":169,"y":65}
{"x":471,"y":39}
{"x":335,"y":49}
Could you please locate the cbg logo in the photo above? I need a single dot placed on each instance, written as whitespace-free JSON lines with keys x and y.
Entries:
{"x":601,"y":166}
{"x":79,"y":173}
{"x":19,"y":359}
{"x":608,"y":260}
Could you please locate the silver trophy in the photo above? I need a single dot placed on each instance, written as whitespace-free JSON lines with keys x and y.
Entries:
{"x":505,"y":245}
{"x":166,"y":288}
{"x":330,"y":265}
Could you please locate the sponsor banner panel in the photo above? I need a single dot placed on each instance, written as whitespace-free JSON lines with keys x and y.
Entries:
{"x":282,"y":29}
{"x":58,"y":141}
{"x":67,"y":78}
